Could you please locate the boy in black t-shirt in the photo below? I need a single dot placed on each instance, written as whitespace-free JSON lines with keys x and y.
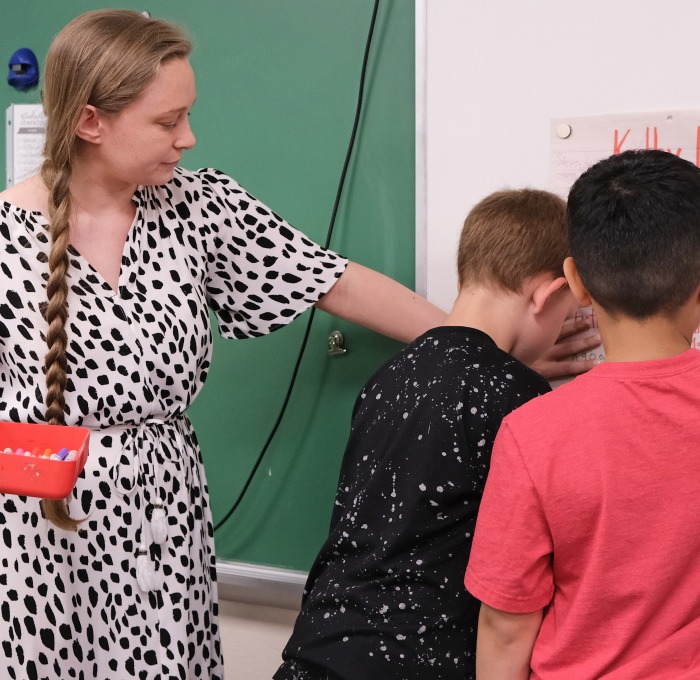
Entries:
{"x":385,"y":597}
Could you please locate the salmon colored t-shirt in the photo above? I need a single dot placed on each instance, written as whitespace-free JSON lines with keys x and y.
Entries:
{"x":592,"y":512}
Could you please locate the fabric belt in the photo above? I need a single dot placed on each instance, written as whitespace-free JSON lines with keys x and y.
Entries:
{"x":138,"y":473}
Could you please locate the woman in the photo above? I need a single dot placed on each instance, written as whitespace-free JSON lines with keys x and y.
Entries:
{"x":111,"y":261}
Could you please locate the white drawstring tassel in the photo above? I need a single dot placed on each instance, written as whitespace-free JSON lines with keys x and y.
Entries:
{"x":159,"y":524}
{"x":146,"y":575}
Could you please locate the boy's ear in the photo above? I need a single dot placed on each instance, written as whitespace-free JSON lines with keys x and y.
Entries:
{"x":696,"y":298}
{"x":544,"y":291}
{"x":89,"y":125}
{"x":575,"y":283}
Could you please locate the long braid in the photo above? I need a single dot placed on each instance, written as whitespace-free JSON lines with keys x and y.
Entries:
{"x":56,"y":362}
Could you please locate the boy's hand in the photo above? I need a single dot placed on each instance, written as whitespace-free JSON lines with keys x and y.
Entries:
{"x":560,"y":361}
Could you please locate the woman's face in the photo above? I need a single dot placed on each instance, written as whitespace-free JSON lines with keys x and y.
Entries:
{"x":143,"y":143}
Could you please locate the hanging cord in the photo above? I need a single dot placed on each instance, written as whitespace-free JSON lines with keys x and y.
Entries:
{"x":329,"y":235}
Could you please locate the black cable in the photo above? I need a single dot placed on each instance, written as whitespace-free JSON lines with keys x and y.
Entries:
{"x":329,"y":235}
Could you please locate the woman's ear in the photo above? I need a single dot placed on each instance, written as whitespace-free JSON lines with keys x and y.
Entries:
{"x":575,"y":283}
{"x":89,"y":127}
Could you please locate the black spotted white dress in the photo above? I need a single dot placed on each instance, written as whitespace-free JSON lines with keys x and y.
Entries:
{"x":133,"y":592}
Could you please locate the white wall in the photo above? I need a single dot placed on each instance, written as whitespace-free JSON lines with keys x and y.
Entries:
{"x":498,"y":70}
{"x":252,"y":639}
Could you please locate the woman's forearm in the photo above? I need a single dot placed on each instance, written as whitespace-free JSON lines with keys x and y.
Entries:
{"x":373,"y":300}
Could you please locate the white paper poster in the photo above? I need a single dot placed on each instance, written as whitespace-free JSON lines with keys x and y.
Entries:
{"x":578,"y":142}
{"x":26,"y":128}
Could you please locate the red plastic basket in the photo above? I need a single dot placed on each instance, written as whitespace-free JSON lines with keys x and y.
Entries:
{"x":41,"y":477}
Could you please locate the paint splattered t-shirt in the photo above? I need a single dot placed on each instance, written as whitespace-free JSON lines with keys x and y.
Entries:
{"x":385,"y":597}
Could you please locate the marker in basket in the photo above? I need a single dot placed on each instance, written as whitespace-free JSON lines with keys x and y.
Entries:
{"x":62,"y":454}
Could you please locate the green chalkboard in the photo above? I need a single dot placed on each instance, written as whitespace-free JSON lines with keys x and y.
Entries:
{"x":277,"y":82}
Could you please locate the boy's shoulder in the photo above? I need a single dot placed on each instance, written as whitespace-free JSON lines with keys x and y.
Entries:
{"x":605,"y":385}
{"x":564,"y":399}
{"x":464,"y":344}
{"x":462,"y":355}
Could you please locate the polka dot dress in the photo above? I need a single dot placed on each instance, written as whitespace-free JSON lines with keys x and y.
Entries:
{"x":132,"y":594}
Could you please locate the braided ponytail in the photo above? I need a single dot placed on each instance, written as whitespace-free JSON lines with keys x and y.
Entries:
{"x":55,"y":361}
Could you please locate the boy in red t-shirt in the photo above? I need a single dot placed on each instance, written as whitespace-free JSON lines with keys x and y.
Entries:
{"x":586,"y":554}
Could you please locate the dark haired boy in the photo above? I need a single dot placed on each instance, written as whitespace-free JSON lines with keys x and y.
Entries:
{"x":385,"y":597}
{"x":587,"y":549}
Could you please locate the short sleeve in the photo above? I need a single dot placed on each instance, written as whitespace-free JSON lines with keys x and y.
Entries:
{"x":510,"y":566}
{"x":261,"y":272}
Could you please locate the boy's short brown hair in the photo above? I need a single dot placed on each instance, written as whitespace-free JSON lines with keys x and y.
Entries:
{"x":512,"y":235}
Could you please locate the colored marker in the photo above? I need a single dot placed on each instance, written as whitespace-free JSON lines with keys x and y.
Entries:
{"x":63,"y":454}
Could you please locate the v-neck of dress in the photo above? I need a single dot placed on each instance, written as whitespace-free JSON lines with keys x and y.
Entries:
{"x":35,"y":219}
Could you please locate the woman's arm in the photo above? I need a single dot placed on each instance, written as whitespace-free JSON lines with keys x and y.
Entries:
{"x":366,"y":297}
{"x":504,"y":644}
{"x":371,"y":299}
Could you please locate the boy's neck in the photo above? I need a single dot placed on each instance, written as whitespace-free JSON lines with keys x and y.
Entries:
{"x":657,"y":337}
{"x":495,"y":312}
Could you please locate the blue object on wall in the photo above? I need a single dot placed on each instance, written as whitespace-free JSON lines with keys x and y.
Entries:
{"x":24,"y":69}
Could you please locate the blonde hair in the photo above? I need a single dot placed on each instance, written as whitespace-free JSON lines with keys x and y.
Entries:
{"x":103,"y":58}
{"x":512,"y":235}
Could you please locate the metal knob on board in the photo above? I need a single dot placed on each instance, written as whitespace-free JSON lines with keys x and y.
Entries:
{"x":335,"y":344}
